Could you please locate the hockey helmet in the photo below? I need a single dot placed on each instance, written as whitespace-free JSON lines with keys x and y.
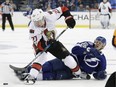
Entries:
{"x":100,"y":42}
{"x":7,"y":1}
{"x":105,"y":0}
{"x":38,"y":17}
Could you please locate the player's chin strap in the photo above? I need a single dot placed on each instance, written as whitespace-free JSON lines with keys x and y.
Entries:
{"x":46,"y":48}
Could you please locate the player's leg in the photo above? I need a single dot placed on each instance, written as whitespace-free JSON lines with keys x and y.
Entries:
{"x":56,"y":70}
{"x":37,"y":64}
{"x":59,"y":51}
{"x":10,"y":21}
{"x":3,"y":21}
{"x":102,"y":21}
{"x":106,"y":21}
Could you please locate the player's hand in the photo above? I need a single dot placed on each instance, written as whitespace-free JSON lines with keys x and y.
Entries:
{"x":100,"y":75}
{"x":51,"y":41}
{"x":70,"y":21}
{"x":50,"y":34}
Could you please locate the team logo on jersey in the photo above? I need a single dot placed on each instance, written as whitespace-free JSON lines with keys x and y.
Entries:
{"x":91,"y":61}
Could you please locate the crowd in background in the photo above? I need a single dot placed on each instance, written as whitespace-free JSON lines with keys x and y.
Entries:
{"x":73,"y":5}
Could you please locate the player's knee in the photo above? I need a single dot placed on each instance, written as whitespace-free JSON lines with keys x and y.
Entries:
{"x":70,"y":62}
{"x":47,"y":67}
{"x":53,"y":65}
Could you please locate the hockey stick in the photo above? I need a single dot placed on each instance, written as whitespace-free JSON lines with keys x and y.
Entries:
{"x":46,"y":47}
{"x":16,"y":68}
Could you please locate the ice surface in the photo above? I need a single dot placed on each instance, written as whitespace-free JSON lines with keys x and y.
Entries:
{"x":16,"y":49}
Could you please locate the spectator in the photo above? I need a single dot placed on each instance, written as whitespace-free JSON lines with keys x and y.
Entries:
{"x":81,"y":7}
{"x":48,"y":6}
{"x":87,"y":8}
{"x":80,"y":2}
{"x":73,"y":6}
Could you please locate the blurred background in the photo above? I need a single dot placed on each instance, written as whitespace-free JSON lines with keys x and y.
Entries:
{"x":73,"y":5}
{"x":85,"y":12}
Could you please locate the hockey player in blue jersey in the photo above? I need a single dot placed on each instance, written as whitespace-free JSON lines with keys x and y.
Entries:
{"x":89,"y":57}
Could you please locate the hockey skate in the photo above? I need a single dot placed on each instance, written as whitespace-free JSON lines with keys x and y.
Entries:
{"x":84,"y":75}
{"x":29,"y":80}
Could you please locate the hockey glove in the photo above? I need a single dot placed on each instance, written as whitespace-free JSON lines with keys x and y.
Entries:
{"x":51,"y":37}
{"x":101,"y":75}
{"x":68,"y":17}
{"x":70,"y":21}
{"x":51,"y":41}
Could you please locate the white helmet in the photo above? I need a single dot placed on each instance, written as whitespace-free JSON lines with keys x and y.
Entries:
{"x":37,"y":15}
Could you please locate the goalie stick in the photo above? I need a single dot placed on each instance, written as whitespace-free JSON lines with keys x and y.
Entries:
{"x":18,"y":70}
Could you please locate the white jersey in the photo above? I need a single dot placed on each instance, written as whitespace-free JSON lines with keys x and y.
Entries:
{"x":104,"y":7}
{"x":50,"y":18}
{"x":105,"y":10}
{"x":6,"y":8}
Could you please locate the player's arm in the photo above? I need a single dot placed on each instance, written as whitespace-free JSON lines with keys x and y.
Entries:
{"x":68,"y":17}
{"x":50,"y":34}
{"x":100,"y":72}
{"x":110,"y":7}
{"x":114,"y":39}
{"x":81,"y":48}
{"x":11,"y":10}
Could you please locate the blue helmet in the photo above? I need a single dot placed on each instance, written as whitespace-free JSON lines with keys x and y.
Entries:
{"x":102,"y":39}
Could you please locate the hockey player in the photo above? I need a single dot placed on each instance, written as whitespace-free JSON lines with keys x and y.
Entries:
{"x":105,"y":11}
{"x":114,"y":39}
{"x":89,"y":57}
{"x":42,"y":31}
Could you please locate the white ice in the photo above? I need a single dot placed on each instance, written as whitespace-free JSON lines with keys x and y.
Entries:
{"x":16,"y":49}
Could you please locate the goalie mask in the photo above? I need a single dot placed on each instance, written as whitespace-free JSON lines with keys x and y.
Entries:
{"x":100,"y":43}
{"x":38,"y":17}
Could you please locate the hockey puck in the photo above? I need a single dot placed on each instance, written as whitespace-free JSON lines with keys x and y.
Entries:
{"x":5,"y":83}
